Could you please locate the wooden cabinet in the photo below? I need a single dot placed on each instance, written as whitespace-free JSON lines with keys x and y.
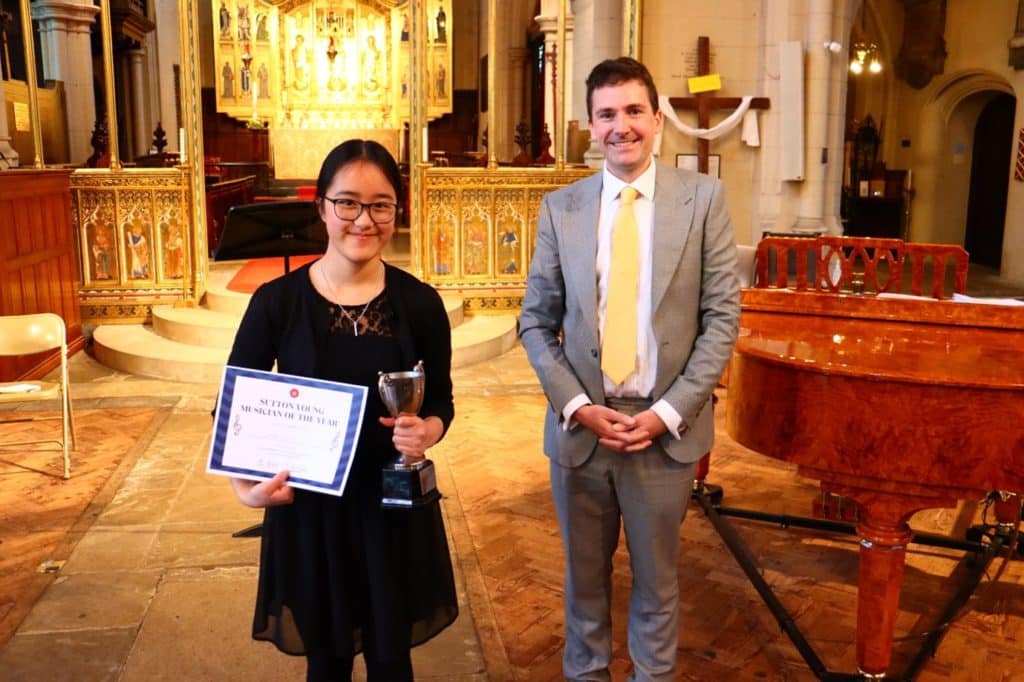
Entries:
{"x":38,"y":267}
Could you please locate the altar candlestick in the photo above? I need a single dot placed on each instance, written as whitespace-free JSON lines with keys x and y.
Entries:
{"x":181,"y":145}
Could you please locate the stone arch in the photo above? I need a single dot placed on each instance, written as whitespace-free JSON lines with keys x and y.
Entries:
{"x":942,"y":159}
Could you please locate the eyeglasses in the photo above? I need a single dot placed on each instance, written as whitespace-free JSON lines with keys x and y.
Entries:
{"x":350,"y":209}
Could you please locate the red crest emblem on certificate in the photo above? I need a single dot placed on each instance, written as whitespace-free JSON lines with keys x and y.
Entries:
{"x":294,"y":393}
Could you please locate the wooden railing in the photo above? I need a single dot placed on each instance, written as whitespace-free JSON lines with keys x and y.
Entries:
{"x":861,"y":265}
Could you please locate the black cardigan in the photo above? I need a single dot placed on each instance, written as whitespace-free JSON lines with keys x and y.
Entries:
{"x":279,"y":326}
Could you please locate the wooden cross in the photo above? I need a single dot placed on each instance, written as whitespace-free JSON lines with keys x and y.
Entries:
{"x":705,"y":102}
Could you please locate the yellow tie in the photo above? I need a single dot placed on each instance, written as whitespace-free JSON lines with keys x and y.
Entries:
{"x":618,"y":348}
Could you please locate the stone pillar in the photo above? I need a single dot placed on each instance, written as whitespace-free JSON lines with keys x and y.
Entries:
{"x":8,"y":155}
{"x":162,"y":48}
{"x":64,"y":30}
{"x":817,"y":96}
{"x":509,"y":72}
{"x":548,"y":22}
{"x":597,"y":35}
{"x":137,"y":75}
{"x":517,"y":64}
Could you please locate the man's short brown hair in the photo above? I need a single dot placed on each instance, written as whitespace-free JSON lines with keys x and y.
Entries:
{"x":615,"y":71}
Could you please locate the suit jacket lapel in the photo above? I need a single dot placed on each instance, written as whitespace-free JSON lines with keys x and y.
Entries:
{"x":673,"y":219}
{"x":580,"y":236}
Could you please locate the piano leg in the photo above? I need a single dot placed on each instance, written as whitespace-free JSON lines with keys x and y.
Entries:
{"x":883,"y":549}
{"x":1007,"y":509}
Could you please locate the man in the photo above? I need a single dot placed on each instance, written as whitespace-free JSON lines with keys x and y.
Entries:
{"x":623,"y":440}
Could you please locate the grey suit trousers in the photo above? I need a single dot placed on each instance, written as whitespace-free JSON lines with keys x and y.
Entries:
{"x":649,"y":492}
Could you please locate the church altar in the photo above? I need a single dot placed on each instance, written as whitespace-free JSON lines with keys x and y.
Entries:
{"x":343,"y":66}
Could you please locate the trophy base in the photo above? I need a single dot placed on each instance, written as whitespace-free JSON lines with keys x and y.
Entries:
{"x":408,"y":487}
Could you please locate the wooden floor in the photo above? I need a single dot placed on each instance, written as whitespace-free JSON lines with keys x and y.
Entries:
{"x":726,"y":632}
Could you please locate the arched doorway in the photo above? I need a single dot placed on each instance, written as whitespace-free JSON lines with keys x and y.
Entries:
{"x":986,"y":205}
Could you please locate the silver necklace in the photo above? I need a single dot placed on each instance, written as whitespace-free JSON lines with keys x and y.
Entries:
{"x":330,"y":288}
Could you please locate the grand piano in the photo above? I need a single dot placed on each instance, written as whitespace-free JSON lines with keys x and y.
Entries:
{"x":900,"y":404}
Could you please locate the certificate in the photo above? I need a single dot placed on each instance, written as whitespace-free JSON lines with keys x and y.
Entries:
{"x":268,"y":422}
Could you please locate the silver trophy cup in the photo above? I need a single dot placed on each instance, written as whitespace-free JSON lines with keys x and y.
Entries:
{"x":405,"y":485}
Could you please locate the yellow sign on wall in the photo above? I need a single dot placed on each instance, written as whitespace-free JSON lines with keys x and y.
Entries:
{"x":22,"y":121}
{"x":704,"y":83}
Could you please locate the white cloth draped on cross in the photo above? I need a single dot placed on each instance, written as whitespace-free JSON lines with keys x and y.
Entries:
{"x":743,"y":112}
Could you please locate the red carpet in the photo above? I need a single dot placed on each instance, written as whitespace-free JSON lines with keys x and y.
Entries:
{"x":260,"y":270}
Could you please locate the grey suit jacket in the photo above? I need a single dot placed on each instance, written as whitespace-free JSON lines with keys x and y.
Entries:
{"x":695,"y":307}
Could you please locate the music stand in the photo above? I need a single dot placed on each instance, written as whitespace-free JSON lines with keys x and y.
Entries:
{"x":272,"y":229}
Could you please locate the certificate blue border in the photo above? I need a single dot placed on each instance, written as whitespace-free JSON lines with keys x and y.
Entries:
{"x":346,"y":451}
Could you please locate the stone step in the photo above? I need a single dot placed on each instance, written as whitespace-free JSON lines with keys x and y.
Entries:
{"x":215,"y":328}
{"x":192,"y":344}
{"x":142,"y":350}
{"x":482,"y":337}
{"x":196,"y":326}
{"x":138,"y":349}
{"x":223,"y":300}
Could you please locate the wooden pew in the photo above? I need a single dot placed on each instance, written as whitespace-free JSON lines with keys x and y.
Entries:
{"x":221,"y":196}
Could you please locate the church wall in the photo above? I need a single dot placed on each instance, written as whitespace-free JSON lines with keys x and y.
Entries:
{"x":669,"y":48}
{"x":941,"y":132}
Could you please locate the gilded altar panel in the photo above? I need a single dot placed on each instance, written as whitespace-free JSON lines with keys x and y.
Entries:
{"x":135,"y":242}
{"x":319,"y":64}
{"x":478,"y":230}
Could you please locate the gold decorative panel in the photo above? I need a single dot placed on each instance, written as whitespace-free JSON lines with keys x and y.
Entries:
{"x":135,"y":241}
{"x":320,"y":64}
{"x":478,"y":229}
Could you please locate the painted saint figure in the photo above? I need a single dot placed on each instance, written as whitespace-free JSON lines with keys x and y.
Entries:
{"x":243,"y":23}
{"x":441,"y":82}
{"x":441,"y":21}
{"x":225,"y":21}
{"x":510,"y":242}
{"x":173,"y":252}
{"x":138,"y":252}
{"x":261,"y":27}
{"x":101,"y":256}
{"x":228,"y":88}
{"x":300,"y":63}
{"x":263,"y":78}
{"x":371,"y":62}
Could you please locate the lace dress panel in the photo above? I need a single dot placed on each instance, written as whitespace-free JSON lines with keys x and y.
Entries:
{"x":372,"y":319}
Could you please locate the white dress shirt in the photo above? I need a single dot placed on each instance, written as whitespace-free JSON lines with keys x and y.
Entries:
{"x":640,"y":383}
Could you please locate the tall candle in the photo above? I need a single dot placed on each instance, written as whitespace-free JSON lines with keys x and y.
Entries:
{"x":425,"y":151}
{"x":910,"y":179}
{"x":181,"y":145}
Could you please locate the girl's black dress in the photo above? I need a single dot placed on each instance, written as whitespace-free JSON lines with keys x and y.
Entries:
{"x":334,"y":571}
